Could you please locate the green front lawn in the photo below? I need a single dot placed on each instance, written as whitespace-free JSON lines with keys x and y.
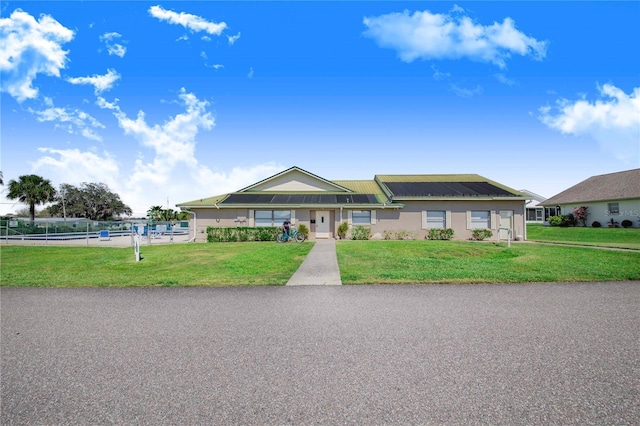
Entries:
{"x":388,"y":262}
{"x":263,"y":263}
{"x":605,"y":237}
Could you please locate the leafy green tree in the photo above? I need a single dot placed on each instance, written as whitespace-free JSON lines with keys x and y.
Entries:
{"x":93,"y":201}
{"x":31,"y":190}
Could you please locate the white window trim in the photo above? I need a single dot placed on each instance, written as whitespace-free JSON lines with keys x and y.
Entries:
{"x":492,"y":219}
{"x":372,"y":217}
{"x":447,"y":218}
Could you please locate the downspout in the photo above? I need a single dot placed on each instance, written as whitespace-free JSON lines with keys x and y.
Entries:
{"x":195,"y":223}
{"x":525,"y":220}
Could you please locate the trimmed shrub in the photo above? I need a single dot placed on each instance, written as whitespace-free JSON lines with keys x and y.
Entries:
{"x":440,"y":234}
{"x":360,"y":233}
{"x":404,"y":235}
{"x":387,"y":235}
{"x":555,"y":220}
{"x":227,"y":235}
{"x":626,"y":223}
{"x":302,"y":229}
{"x":596,"y":224}
{"x":343,"y":229}
{"x":569,"y":220}
{"x":481,"y":234}
{"x":446,"y":234}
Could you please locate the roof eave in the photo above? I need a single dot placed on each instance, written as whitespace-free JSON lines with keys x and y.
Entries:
{"x":602,"y":200}
{"x":458,"y":198}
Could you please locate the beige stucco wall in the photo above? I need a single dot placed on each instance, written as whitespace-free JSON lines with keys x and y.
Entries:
{"x":407,"y":219}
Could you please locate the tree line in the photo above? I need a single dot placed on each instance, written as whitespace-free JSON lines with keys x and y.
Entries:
{"x":93,"y":201}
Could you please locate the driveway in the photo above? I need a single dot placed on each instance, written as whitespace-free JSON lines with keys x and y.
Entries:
{"x":428,"y":354}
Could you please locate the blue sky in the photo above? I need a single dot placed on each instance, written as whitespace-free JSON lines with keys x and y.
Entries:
{"x":172,"y":101}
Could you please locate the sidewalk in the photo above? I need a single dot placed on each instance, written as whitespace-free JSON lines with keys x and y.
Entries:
{"x":320,"y":267}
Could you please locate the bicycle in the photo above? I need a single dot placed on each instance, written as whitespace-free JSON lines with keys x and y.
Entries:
{"x":294,"y":235}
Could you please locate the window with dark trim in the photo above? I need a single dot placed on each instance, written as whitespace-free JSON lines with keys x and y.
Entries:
{"x":271,"y":217}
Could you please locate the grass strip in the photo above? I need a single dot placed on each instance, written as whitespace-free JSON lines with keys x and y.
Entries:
{"x":604,"y":237}
{"x":397,"y":262}
{"x":224,"y":264}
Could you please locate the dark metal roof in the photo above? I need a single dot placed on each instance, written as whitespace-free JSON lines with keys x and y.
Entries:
{"x":443,"y":189}
{"x":254,"y":198}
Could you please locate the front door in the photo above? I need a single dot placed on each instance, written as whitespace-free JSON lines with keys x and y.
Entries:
{"x":323,"y":225}
{"x":506,"y":220}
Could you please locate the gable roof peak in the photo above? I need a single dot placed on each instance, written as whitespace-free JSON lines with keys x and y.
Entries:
{"x":292,"y":170}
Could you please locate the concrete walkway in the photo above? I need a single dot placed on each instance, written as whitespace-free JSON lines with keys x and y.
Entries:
{"x":320,"y":267}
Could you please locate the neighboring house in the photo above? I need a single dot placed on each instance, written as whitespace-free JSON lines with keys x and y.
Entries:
{"x":409,"y":204}
{"x":535,"y":211}
{"x":611,"y":197}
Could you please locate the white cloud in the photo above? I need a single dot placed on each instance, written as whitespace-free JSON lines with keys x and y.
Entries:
{"x":465,"y":92}
{"x":74,"y":166}
{"x":613,"y":120}
{"x":233,"y":39}
{"x":100,"y":83}
{"x":29,"y":47}
{"x":250,"y":74}
{"x":113,"y":48}
{"x":173,"y":171}
{"x":173,"y":143}
{"x":73,"y":121}
{"x":426,"y":35}
{"x":504,"y":79}
{"x":187,"y":20}
{"x":438,"y":75}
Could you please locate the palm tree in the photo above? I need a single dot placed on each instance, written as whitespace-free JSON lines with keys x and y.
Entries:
{"x":155,"y":213}
{"x":31,"y":190}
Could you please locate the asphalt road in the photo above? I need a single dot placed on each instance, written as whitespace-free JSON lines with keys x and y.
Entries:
{"x":432,"y":354}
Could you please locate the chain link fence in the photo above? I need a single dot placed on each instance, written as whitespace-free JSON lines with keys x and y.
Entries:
{"x":88,"y":232}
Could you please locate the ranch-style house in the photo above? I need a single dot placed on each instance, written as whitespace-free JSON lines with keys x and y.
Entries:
{"x":611,"y":199}
{"x":387,"y":204}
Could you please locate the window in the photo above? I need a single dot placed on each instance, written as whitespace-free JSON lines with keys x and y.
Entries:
{"x":436,"y":219}
{"x":480,"y":219}
{"x":551,"y":211}
{"x":361,"y":217}
{"x":534,"y":215}
{"x":271,"y":217}
{"x":614,"y":208}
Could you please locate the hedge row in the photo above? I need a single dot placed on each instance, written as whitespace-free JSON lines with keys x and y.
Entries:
{"x":241,"y":234}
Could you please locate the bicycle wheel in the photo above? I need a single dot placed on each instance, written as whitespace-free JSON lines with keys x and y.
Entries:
{"x":299,"y":238}
{"x":280,"y":238}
